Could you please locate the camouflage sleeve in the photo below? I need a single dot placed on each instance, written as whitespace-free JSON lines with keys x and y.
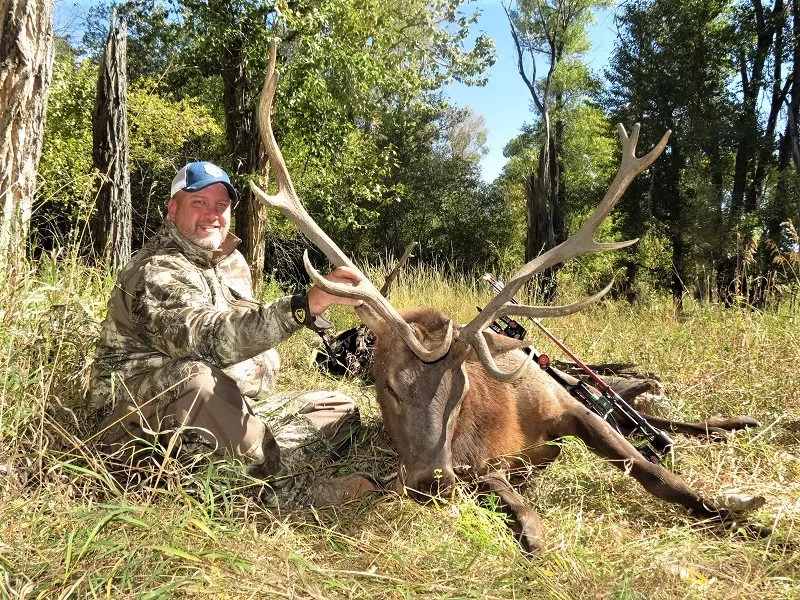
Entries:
{"x":173,"y":312}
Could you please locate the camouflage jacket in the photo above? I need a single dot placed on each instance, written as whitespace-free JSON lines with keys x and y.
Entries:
{"x":174,"y":300}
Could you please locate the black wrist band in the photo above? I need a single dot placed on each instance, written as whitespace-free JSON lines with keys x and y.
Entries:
{"x":302,"y":314}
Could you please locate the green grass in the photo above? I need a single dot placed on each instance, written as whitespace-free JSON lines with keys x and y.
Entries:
{"x":70,"y":530}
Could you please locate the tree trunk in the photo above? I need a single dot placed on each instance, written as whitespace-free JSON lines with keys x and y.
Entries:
{"x":26,"y":69}
{"x":678,"y":258}
{"x":111,"y":222}
{"x":250,"y":217}
{"x":673,"y":202}
{"x":742,"y":195}
{"x":559,"y":195}
{"x":767,"y":150}
{"x":536,"y":194}
{"x":794,"y":94}
{"x":539,"y":195}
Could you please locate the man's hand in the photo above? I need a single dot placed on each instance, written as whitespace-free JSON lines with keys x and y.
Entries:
{"x":319,"y":301}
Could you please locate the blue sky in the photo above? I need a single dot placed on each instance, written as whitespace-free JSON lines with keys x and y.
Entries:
{"x":505,"y":102}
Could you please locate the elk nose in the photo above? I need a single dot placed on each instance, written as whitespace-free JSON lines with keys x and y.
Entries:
{"x":430,"y":484}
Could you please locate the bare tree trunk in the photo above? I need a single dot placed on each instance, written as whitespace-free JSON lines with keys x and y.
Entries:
{"x":559,"y":194}
{"x":250,"y":216}
{"x":111,"y":223}
{"x":26,"y":69}
{"x":259,"y":226}
{"x":539,"y":216}
{"x":794,"y":97}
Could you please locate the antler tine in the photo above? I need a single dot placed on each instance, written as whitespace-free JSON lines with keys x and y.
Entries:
{"x":581,"y":243}
{"x":537,"y":312}
{"x":287,"y":201}
{"x":371,"y":296}
{"x":533,"y":312}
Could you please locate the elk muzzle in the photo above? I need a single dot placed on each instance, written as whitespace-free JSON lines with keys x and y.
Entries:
{"x":424,"y":485}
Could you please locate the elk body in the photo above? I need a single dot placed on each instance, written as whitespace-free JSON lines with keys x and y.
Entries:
{"x":460,"y":402}
{"x":452,"y":420}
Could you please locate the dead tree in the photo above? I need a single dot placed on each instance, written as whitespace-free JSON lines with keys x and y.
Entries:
{"x":26,"y":69}
{"x":111,"y":222}
{"x":544,"y":31}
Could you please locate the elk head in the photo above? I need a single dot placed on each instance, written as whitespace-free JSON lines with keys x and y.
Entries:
{"x":419,"y":357}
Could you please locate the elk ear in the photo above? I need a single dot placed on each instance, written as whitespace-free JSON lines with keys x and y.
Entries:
{"x":373,"y":321}
{"x":501,"y":343}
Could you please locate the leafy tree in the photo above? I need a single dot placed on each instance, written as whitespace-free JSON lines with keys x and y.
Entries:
{"x":670,"y":70}
{"x":554,"y":33}
{"x":758,"y":39}
{"x":710,"y":190}
{"x":356,"y":92}
{"x":65,"y":193}
{"x":435,"y":197}
{"x":466,"y":135}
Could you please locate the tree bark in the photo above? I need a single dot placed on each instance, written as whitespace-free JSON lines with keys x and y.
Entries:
{"x":742,"y":195}
{"x":559,"y":195}
{"x":26,"y":69}
{"x":250,"y":217}
{"x":794,"y":95}
{"x":111,"y":222}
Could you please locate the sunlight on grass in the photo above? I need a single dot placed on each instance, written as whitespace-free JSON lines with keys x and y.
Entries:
{"x":72,"y":529}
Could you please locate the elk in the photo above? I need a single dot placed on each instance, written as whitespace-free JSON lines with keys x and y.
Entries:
{"x":462,"y":403}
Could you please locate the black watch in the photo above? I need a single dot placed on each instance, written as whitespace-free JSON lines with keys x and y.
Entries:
{"x":302,"y":315}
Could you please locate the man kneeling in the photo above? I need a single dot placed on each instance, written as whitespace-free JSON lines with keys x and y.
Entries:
{"x":184,"y":347}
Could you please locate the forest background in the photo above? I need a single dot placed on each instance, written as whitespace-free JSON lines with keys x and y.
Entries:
{"x":381,"y":157}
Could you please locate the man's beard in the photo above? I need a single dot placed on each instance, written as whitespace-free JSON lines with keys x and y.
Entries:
{"x":210,"y":241}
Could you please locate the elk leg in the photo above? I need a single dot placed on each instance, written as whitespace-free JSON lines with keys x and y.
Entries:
{"x":715,"y":427}
{"x":657,"y":480}
{"x":525,"y":522}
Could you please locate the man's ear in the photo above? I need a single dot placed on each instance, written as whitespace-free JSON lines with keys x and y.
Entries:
{"x":172,"y":208}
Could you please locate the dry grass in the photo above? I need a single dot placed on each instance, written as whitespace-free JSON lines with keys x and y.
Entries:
{"x":71,"y":530}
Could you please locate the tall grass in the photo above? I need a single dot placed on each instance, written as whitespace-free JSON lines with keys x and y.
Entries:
{"x":71,"y":530}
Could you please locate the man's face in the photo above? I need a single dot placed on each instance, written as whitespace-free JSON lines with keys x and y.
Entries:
{"x":202,"y":217}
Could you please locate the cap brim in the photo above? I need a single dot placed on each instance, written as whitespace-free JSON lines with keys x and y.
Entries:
{"x":204,"y":184}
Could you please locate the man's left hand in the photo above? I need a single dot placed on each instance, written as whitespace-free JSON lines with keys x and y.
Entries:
{"x":319,"y":300}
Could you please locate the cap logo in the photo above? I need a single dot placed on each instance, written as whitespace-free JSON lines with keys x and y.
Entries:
{"x":213,"y":170}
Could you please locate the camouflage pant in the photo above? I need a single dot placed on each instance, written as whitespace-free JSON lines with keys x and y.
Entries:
{"x":309,"y":429}
{"x":283,"y":440}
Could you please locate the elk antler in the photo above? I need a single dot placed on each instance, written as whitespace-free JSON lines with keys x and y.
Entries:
{"x":289,"y":204}
{"x":582,"y":242}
